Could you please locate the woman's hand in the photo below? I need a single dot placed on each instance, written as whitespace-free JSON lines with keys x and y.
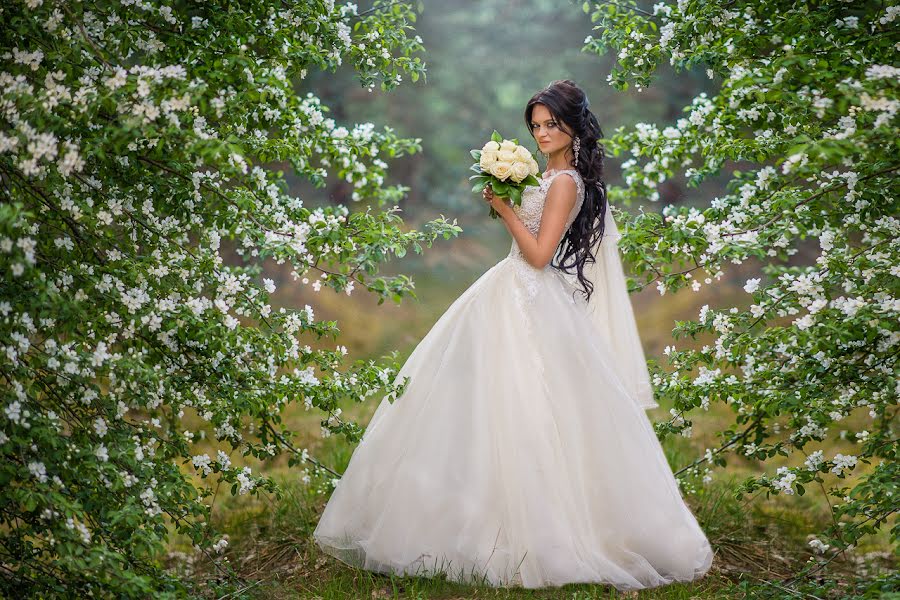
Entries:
{"x":498,"y":203}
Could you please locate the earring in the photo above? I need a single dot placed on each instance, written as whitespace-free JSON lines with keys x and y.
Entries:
{"x":576,"y":146}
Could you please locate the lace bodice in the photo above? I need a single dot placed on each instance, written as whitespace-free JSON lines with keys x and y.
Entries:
{"x":532,"y":207}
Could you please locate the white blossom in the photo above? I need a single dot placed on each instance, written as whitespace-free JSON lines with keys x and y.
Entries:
{"x":785,"y":482}
{"x":100,"y":426}
{"x":38,"y":470}
{"x":202,"y":461}
{"x":814,"y":460}
{"x":843,"y":463}
{"x":247,"y":484}
{"x":101,"y":452}
{"x":14,"y":411}
{"x":818,"y":546}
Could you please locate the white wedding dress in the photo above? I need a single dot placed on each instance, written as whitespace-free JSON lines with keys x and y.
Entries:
{"x":520,"y":453}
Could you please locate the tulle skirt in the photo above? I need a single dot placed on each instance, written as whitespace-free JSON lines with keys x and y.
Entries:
{"x":515,"y":456}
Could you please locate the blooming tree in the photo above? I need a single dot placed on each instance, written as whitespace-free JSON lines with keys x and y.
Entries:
{"x":808,"y":110}
{"x":134,"y":139}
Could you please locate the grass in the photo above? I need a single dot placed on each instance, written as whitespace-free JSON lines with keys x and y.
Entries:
{"x":758,"y":542}
{"x":274,"y":556}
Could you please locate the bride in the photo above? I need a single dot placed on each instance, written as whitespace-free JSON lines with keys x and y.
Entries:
{"x":519,"y":453}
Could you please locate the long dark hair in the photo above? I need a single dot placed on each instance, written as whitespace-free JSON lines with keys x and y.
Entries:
{"x":569,"y":106}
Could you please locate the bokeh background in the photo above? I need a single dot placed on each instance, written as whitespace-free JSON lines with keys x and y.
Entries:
{"x":484,"y":60}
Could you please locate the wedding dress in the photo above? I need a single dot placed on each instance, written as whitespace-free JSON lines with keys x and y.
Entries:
{"x":520,"y":454}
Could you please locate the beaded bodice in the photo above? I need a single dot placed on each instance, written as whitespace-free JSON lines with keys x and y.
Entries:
{"x":532,"y":207}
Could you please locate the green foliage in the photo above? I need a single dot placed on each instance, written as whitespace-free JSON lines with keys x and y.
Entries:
{"x":808,"y":108}
{"x":132,"y":150}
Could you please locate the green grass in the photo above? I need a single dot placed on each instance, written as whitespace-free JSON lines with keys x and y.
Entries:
{"x":758,"y":542}
{"x":274,"y":555}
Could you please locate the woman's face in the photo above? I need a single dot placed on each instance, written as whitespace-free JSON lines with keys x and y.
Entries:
{"x":547,"y":131}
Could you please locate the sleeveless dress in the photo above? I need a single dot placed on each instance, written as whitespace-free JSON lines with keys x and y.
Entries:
{"x":515,"y":456}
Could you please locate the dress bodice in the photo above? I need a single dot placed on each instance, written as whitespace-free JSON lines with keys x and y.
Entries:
{"x":532,"y":207}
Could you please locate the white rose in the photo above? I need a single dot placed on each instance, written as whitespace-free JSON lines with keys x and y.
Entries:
{"x":491,"y":147}
{"x":520,"y":171}
{"x":501,"y":170}
{"x":523,"y":154}
{"x":508,"y":145}
{"x":533,"y":166}
{"x":488,"y":157}
{"x":507,"y":156}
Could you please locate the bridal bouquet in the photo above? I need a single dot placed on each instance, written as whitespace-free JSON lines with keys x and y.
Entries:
{"x":506,"y":166}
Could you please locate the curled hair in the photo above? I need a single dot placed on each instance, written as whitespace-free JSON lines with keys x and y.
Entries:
{"x":568,"y":104}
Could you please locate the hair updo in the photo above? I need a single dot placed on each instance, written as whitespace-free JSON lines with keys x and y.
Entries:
{"x":568,"y":104}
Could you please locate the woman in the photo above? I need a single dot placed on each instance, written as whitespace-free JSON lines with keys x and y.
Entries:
{"x":520,"y":454}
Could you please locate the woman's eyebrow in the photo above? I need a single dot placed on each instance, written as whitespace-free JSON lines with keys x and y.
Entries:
{"x":550,"y":119}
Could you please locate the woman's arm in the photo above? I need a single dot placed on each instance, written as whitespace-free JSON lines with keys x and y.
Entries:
{"x":538,"y":251}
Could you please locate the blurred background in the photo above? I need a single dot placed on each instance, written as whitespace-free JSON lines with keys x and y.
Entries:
{"x":485,"y":60}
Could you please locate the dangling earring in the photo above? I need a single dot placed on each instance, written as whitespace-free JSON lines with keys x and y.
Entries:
{"x":576,"y":146}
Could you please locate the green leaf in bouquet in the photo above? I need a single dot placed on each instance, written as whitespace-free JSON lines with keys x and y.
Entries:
{"x":482,"y":176}
{"x":496,"y":137}
{"x":476,"y":154}
{"x":500,"y":188}
{"x":476,"y":167}
{"x":480,"y":182}
{"x":531,"y":180}
{"x":515,"y":194}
